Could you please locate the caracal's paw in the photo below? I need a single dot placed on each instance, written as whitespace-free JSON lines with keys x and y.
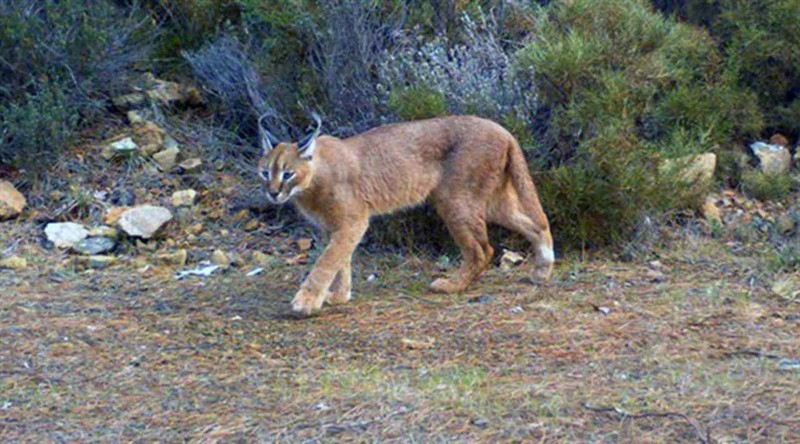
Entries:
{"x":335,"y":298}
{"x":306,"y":304}
{"x":443,"y":285}
{"x":542,"y":272}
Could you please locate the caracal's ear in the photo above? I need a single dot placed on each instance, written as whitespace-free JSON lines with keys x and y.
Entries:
{"x":268,"y":140}
{"x":308,"y":144}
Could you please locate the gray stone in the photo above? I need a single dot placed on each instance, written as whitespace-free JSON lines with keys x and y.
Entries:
{"x":124,"y":146}
{"x":65,"y":234}
{"x":184,"y":198}
{"x":94,"y":245}
{"x":190,"y":165}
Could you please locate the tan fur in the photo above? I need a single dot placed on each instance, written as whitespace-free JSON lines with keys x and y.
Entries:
{"x":470,"y":169}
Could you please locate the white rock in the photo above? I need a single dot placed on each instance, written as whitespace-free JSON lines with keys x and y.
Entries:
{"x":167,"y":158}
{"x":12,"y":202}
{"x":123,"y":146}
{"x":65,"y":234}
{"x":144,"y":221}
{"x":772,"y":159}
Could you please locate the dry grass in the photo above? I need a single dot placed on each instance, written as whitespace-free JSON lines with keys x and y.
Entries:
{"x":601,"y":354}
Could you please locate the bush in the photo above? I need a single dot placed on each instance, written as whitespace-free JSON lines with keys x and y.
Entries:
{"x":759,"y":41}
{"x":764,"y":186}
{"x":60,"y":65}
{"x":472,"y":77}
{"x":624,"y":87}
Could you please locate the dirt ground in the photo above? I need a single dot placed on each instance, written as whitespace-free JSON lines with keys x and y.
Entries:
{"x":693,"y":348}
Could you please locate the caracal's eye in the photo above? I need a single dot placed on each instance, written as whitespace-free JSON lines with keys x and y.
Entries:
{"x":287,"y":175}
{"x":264,"y":174}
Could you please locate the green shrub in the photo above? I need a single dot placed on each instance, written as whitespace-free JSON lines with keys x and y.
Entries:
{"x":414,"y":103}
{"x":624,"y":87}
{"x":764,"y":186}
{"x":61,"y":61}
{"x":759,"y":41}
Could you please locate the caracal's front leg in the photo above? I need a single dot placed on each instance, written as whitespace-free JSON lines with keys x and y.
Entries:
{"x":340,"y":290}
{"x":334,"y":260}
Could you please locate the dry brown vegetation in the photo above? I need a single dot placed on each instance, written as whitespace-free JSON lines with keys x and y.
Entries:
{"x":696,"y":348}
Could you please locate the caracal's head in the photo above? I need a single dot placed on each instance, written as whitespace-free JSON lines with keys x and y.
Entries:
{"x":286,"y":168}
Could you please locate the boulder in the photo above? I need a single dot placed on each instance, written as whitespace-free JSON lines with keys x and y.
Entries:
{"x":94,"y":245}
{"x":65,"y":234}
{"x":695,"y":169}
{"x":772,"y":159}
{"x":12,"y":202}
{"x":184,"y":198}
{"x":144,"y":221}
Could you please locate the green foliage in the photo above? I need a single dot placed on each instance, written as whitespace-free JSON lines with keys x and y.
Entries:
{"x":60,"y":61}
{"x":625,"y":87}
{"x":417,"y":103}
{"x":36,"y":127}
{"x":759,"y":41}
{"x":764,"y":186}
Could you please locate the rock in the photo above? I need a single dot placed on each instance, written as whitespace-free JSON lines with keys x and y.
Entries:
{"x":711,"y":212}
{"x":12,"y":202}
{"x":166,"y":159}
{"x":150,"y":137}
{"x":190,"y":165}
{"x":124,"y":146}
{"x":14,"y":263}
{"x":184,"y":198}
{"x":656,"y":276}
{"x":114,"y":214}
{"x":129,"y":101}
{"x":66,"y":234}
{"x":98,"y":262}
{"x":773,"y":159}
{"x":779,"y":140}
{"x":144,"y":221}
{"x":510,"y":259}
{"x":304,"y":243}
{"x":252,"y":225}
{"x":220,"y":258}
{"x":694,"y":169}
{"x":177,"y":258}
{"x":104,"y":231}
{"x":786,"y":223}
{"x":94,"y":245}
{"x":171,"y":93}
{"x":195,"y":229}
{"x":135,"y":117}
{"x":263,"y":260}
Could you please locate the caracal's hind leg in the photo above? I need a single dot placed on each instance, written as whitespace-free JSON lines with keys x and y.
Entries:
{"x":466,"y":222}
{"x":509,"y":212}
{"x":340,"y":290}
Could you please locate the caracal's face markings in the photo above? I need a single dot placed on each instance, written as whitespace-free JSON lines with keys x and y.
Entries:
{"x":284,"y":172}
